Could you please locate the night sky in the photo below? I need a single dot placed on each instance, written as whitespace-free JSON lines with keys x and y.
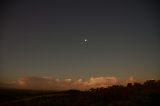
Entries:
{"x":46,"y":38}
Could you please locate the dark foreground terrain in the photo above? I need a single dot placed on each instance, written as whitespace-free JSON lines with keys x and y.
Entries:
{"x":147,"y":94}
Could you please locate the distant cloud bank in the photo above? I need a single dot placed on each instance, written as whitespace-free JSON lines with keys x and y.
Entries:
{"x":50,"y":83}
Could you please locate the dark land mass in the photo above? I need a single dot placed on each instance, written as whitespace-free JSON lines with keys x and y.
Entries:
{"x":136,"y":94}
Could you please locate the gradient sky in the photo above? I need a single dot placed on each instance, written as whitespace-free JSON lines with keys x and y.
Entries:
{"x":44,"y":38}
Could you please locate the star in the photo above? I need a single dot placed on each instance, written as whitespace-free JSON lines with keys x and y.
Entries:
{"x":85,"y":40}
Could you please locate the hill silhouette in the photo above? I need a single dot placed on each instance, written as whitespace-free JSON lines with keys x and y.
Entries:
{"x":134,"y":94}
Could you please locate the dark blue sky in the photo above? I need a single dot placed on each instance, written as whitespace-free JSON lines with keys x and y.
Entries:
{"x":44,"y":38}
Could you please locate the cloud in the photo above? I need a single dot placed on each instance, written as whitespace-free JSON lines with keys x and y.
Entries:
{"x":95,"y":82}
{"x":50,"y":83}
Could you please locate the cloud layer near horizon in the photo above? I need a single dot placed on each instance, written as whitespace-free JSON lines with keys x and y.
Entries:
{"x":50,"y":83}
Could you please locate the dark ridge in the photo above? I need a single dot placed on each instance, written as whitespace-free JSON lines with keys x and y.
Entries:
{"x":134,"y":94}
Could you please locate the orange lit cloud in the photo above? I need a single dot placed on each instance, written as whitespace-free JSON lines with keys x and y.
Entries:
{"x":50,"y":83}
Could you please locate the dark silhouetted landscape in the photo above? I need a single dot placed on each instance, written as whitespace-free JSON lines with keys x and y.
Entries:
{"x":134,"y":94}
